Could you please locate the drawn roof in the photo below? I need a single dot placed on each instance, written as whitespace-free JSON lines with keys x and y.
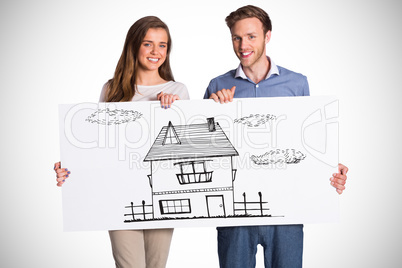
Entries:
{"x":196,"y":141}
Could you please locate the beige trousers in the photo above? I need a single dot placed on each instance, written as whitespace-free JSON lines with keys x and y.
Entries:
{"x":141,"y":248}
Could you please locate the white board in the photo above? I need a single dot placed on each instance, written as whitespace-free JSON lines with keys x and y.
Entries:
{"x":135,"y":165}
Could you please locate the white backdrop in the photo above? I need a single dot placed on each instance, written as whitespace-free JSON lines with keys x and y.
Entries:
{"x":56,"y":52}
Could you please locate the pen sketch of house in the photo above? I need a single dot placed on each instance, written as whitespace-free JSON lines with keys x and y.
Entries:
{"x":192,"y":172}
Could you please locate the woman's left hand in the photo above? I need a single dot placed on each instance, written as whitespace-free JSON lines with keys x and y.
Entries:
{"x":167,"y":99}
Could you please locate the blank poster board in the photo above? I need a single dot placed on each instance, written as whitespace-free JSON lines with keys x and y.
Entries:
{"x":259,"y":161}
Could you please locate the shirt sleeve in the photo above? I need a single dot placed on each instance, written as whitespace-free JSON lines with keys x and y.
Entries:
{"x":306,"y":88}
{"x":186,"y":94}
{"x":102,"y":97}
{"x":210,"y":90}
{"x":182,"y":91}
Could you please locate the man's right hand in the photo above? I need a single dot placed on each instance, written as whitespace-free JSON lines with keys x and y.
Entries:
{"x":224,"y":95}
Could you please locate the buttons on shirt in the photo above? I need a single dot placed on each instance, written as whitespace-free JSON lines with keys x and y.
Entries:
{"x":257,"y":86}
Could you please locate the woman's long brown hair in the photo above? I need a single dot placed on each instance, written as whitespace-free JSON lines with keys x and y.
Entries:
{"x":123,"y":87}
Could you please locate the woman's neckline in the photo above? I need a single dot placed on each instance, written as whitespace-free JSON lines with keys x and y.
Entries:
{"x":155,"y":84}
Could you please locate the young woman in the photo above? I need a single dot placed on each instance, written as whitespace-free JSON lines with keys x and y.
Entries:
{"x":142,"y":74}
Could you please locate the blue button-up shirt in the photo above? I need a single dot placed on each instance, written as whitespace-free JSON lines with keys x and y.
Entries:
{"x":279,"y":82}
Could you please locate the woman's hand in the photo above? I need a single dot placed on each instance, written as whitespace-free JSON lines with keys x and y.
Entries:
{"x":61,"y":174}
{"x":167,"y":99}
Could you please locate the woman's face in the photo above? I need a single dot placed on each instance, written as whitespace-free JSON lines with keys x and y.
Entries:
{"x":153,"y":50}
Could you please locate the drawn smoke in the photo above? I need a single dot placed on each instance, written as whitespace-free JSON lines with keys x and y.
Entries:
{"x":255,"y":120}
{"x":113,"y":117}
{"x":288,"y":156}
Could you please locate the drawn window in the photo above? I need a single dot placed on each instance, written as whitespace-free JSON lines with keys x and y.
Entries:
{"x":176,"y":206}
{"x":171,"y":136}
{"x":193,"y":172}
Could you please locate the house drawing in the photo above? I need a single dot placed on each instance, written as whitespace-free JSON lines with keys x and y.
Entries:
{"x":192,"y":173}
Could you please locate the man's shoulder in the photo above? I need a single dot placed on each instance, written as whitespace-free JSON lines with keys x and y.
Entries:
{"x":219,"y":82}
{"x":284,"y":72}
{"x":295,"y":83}
{"x":225,"y":76}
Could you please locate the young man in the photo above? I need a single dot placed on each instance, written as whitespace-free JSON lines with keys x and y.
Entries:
{"x":258,"y":76}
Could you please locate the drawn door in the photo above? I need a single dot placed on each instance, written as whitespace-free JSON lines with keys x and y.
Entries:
{"x":216,"y":206}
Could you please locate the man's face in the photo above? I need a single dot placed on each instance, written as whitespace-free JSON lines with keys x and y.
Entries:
{"x":249,"y":41}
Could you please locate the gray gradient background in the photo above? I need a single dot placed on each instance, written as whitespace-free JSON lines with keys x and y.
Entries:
{"x":56,"y":52}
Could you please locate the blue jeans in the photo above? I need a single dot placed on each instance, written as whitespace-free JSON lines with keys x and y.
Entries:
{"x":283,"y":246}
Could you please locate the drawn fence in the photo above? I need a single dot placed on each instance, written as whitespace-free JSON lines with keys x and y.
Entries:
{"x":244,"y":208}
{"x":141,"y":212}
{"x":250,"y":208}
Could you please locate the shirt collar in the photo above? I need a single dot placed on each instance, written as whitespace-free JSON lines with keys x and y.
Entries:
{"x":273,"y":70}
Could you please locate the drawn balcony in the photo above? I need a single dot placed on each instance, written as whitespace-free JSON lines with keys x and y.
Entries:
{"x":194,"y":177}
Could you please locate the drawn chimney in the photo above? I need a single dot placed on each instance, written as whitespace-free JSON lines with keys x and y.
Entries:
{"x":211,"y":124}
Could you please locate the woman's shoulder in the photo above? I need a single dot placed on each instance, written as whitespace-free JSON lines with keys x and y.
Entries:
{"x":178,"y":84}
{"x":104,"y":90}
{"x":178,"y":88}
{"x":173,"y":85}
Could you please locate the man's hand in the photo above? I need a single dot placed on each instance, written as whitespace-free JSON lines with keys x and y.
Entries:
{"x":224,"y":95}
{"x":338,"y":180}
